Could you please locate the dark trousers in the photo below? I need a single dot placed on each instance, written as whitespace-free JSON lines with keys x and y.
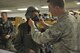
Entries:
{"x":7,"y":45}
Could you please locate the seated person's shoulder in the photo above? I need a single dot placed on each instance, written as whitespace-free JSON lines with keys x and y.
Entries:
{"x":22,"y":25}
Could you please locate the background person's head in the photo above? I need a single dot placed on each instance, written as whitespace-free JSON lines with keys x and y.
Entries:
{"x":4,"y":15}
{"x":56,"y":7}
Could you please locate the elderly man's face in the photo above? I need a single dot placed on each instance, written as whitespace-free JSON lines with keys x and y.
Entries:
{"x":35,"y":14}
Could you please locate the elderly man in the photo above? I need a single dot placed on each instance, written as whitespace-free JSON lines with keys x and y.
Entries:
{"x":23,"y":42}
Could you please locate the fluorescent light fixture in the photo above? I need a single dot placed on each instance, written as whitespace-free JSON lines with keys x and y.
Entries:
{"x":75,"y":11}
{"x":78,"y":3}
{"x":44,"y":7}
{"x":71,"y":12}
{"x":22,"y":9}
{"x":37,"y":8}
{"x":5,"y":10}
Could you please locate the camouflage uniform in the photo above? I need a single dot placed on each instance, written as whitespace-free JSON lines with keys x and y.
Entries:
{"x":6,"y":28}
{"x":78,"y":30}
{"x":62,"y":34}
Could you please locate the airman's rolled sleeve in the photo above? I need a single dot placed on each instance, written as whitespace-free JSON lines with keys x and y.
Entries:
{"x":52,"y":33}
{"x":47,"y":26}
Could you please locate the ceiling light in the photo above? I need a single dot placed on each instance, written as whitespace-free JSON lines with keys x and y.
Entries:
{"x":22,"y":9}
{"x":5,"y":10}
{"x":37,"y":8}
{"x":44,"y":7}
{"x":78,"y":3}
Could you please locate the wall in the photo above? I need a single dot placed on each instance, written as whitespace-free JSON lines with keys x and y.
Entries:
{"x":22,"y":14}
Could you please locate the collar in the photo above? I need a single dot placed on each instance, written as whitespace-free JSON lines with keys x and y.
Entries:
{"x":63,"y":15}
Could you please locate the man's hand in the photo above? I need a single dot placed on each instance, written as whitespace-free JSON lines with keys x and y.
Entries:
{"x":7,"y":36}
{"x":42,"y":21}
{"x":31,"y":23}
{"x":31,"y":51}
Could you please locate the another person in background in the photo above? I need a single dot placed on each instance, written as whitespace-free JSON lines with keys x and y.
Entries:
{"x":75,"y":14}
{"x":24,"y":42}
{"x":63,"y":34}
{"x":7,"y":32}
{"x":46,"y":16}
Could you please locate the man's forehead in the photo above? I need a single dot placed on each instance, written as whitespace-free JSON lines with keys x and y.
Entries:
{"x":52,"y":5}
{"x":4,"y":14}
